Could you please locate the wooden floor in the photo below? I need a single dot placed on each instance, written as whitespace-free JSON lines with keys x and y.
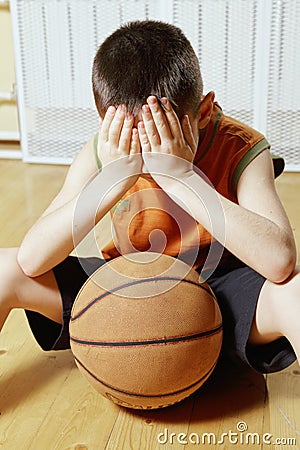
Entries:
{"x":46,"y":404}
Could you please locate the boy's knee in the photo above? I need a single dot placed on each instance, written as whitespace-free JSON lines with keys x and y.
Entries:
{"x":287,"y":291}
{"x":285,"y":301}
{"x":292,"y":286}
{"x":278,"y":304}
{"x":11,"y":274}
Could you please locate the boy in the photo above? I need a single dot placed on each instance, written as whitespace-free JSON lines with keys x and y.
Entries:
{"x":161,"y":147}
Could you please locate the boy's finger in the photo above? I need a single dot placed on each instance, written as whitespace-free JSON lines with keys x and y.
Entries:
{"x":153,"y":135}
{"x":125,"y":136}
{"x":173,"y":120}
{"x":159,"y":118}
{"x":116,"y":125}
{"x":135,"y":142}
{"x":106,"y":122}
{"x":145,"y":144}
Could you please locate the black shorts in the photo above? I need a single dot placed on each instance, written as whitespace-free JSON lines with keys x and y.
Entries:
{"x":237,"y":292}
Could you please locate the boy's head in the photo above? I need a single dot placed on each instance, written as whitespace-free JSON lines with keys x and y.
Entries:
{"x":147,"y":58}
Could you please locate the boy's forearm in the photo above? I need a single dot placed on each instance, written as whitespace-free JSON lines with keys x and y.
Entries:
{"x":47,"y":242}
{"x":53,"y":237}
{"x":254,"y":239}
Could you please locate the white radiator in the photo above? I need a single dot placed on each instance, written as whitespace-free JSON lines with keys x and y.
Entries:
{"x":248,"y":51}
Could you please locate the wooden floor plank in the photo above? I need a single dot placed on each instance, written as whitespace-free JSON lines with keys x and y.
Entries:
{"x":282,"y":415}
{"x":83,"y":417}
{"x":136,"y":429}
{"x":42,"y":393}
{"x":233,"y":398}
{"x":46,"y":404}
{"x":27,"y":375}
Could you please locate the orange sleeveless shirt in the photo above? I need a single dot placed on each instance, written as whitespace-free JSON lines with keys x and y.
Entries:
{"x":146,"y":219}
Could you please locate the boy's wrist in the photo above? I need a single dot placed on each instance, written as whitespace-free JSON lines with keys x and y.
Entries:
{"x":168,"y":169}
{"x":174,"y":182}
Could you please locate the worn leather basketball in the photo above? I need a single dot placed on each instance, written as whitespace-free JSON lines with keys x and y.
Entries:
{"x":145,"y":331}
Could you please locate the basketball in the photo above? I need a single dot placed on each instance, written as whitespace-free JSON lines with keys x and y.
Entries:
{"x":145,"y":331}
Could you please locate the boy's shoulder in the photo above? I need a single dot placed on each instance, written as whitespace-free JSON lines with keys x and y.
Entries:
{"x":226,"y":147}
{"x":82,"y":170}
{"x":226,"y":136}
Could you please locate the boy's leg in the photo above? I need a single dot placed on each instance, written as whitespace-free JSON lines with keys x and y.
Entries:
{"x":40,"y":294}
{"x":278,"y":313}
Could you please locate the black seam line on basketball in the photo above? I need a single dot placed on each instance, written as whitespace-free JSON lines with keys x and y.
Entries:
{"x":148,"y":342}
{"x":132,"y":283}
{"x":133,"y":394}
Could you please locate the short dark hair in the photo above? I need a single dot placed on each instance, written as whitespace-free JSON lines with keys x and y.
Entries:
{"x":145,"y":58}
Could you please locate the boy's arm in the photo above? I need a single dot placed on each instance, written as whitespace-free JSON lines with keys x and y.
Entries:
{"x":49,"y":240}
{"x":256,"y":230}
{"x":85,"y":197}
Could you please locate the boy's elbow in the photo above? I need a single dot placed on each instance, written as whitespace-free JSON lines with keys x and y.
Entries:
{"x":284,"y":265}
{"x":26,"y":263}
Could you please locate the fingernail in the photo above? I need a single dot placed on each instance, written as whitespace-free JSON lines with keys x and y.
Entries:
{"x":111,"y":109}
{"x":165,"y":103}
{"x":152,"y":100}
{"x":145,"y":109}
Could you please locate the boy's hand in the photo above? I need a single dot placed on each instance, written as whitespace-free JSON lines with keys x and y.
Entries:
{"x":119,"y":147}
{"x":168,"y":146}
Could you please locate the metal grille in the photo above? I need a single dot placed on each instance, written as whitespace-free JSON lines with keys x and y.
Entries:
{"x":223,"y":36}
{"x":56,"y":41}
{"x":247,"y":51}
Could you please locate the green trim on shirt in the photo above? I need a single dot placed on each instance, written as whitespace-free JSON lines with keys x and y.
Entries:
{"x":98,"y":162}
{"x":247,"y":158}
